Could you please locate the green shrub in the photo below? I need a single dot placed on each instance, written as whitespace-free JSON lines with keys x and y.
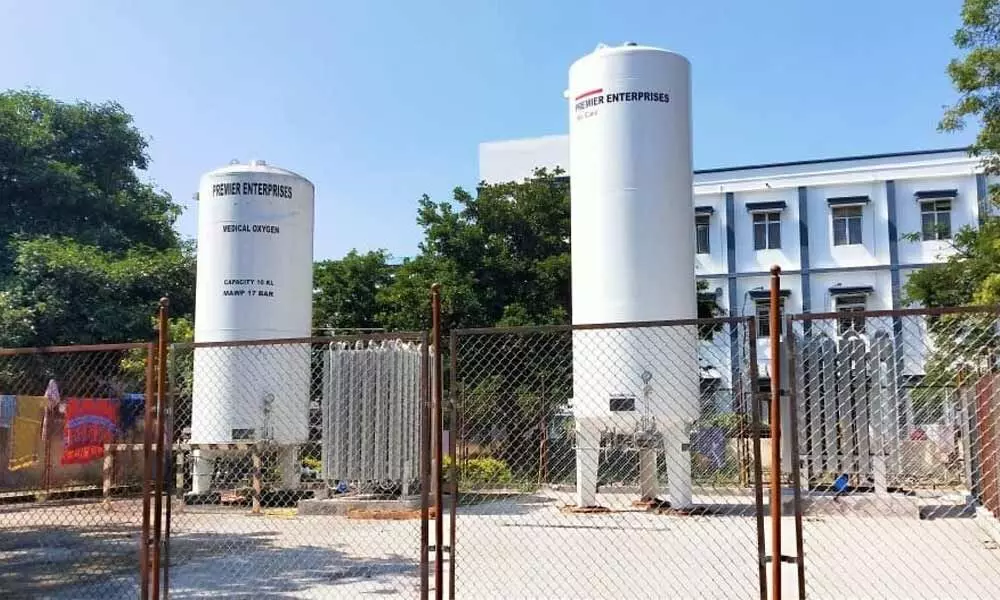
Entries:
{"x":313,"y":463}
{"x":732,"y":424}
{"x":482,"y":471}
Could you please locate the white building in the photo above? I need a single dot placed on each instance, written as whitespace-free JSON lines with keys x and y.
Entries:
{"x":836,"y":226}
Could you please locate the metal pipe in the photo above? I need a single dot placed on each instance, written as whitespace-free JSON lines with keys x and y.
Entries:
{"x":453,"y":433}
{"x":899,"y":312}
{"x":425,"y":466}
{"x":536,"y":329}
{"x":71,"y":349}
{"x":774,"y":330}
{"x":161,"y":391}
{"x":438,"y":425}
{"x":758,"y":467}
{"x":366,"y":337}
{"x":793,"y":416}
{"x":147,"y":473}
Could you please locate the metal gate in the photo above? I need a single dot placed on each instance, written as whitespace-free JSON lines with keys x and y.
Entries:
{"x":606,"y":460}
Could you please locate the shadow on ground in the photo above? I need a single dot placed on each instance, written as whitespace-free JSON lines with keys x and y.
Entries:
{"x":102,"y":561}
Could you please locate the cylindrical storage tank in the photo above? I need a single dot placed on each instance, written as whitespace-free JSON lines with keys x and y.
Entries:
{"x":633,"y":247}
{"x":254,"y":282}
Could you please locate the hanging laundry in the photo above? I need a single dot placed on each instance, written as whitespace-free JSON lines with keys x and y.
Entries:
{"x":90,"y":424}
{"x":132,"y":407}
{"x":8,"y":407}
{"x":26,"y":447}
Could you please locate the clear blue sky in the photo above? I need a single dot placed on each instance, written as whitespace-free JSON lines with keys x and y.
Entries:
{"x":378,"y":102}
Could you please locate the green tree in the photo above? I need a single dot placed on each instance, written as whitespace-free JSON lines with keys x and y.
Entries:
{"x":970,"y":275}
{"x":347,"y":290}
{"x":502,"y":258}
{"x":86,"y":248}
{"x":976,"y":77}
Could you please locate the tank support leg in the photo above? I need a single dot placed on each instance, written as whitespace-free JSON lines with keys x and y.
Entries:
{"x":649,"y":485}
{"x":678,"y":455}
{"x":588,"y":448}
{"x":291,"y":471}
{"x":203,"y":463}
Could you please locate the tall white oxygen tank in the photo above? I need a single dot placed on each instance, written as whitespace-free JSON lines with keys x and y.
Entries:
{"x":633,"y":254}
{"x":254,"y":282}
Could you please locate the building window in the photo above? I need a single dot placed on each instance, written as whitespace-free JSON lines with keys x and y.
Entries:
{"x":701,"y":234}
{"x":846,"y":225}
{"x":853,"y":308}
{"x":766,"y":230}
{"x":935,"y":220}
{"x":764,"y":318}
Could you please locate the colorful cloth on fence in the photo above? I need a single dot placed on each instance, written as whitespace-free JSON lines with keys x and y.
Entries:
{"x":131,"y":410}
{"x":27,"y":446}
{"x":90,"y":424}
{"x":8,"y":408}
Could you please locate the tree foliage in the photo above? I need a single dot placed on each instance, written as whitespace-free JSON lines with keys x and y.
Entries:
{"x":969,"y":275}
{"x":976,"y":77}
{"x":502,"y":257}
{"x":86,"y":247}
{"x":347,"y":290}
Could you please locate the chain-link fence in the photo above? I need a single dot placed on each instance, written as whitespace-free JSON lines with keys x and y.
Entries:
{"x":607,"y":461}
{"x":70,"y":508}
{"x":618,"y":460}
{"x":897,"y":450}
{"x":297,"y":466}
{"x":288,"y":467}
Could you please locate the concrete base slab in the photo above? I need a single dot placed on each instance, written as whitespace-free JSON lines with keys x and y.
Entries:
{"x":857,"y":506}
{"x":990,"y":524}
{"x":193,"y":498}
{"x":343,"y":505}
{"x":584,"y":510}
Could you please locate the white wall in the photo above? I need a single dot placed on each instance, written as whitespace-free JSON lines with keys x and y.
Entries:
{"x":874,"y":248}
{"x":914,"y":334}
{"x":964,"y":211}
{"x":713,"y":263}
{"x":506,"y":160}
{"x":749,"y":260}
{"x":904,"y":276}
{"x":515,"y":159}
{"x":747,"y":306}
{"x":820,"y":283}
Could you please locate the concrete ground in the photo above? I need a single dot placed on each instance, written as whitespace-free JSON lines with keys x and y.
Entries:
{"x":520,"y":546}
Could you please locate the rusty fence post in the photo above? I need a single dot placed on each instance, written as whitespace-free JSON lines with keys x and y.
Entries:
{"x":161,"y":388}
{"x":438,"y":431}
{"x":147,"y":472}
{"x":774,"y":323}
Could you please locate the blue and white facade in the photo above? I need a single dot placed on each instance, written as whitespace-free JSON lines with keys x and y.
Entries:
{"x":838,"y":227}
